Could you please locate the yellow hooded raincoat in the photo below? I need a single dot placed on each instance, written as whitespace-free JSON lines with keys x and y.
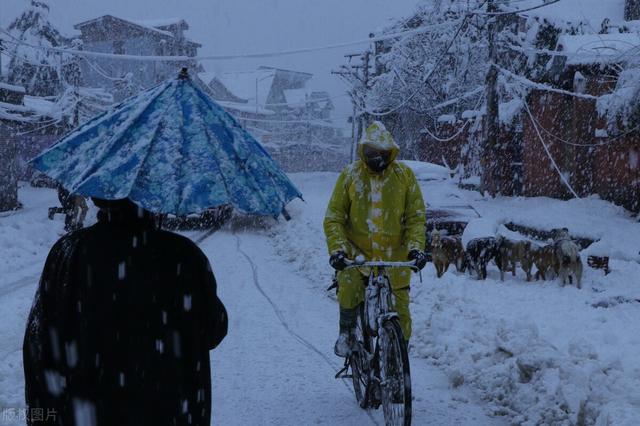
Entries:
{"x":378,"y":215}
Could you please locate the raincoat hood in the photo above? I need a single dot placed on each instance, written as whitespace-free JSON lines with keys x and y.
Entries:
{"x":378,"y":137}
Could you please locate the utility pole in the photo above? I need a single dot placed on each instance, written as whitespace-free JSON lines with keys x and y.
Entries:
{"x":492,"y":153}
{"x":351,"y":72}
{"x":1,"y":50}
{"x":365,"y":82}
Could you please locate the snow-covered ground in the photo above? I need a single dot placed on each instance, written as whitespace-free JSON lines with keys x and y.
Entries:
{"x":483,"y":352}
{"x":536,"y":352}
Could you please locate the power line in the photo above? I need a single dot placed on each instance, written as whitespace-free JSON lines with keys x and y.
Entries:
{"x":546,"y":149}
{"x":516,"y":11}
{"x":460,"y":130}
{"x":104,"y":74}
{"x":311,"y":121}
{"x":384,"y":37}
{"x":608,"y":141}
{"x":448,"y":138}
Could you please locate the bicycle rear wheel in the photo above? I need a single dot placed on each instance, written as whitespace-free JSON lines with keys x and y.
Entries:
{"x":395,"y":376}
{"x":359,"y":362}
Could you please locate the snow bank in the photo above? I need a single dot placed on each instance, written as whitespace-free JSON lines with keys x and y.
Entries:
{"x":537,"y":353}
{"x":300,"y":242}
{"x":613,"y":228}
{"x":428,"y":171}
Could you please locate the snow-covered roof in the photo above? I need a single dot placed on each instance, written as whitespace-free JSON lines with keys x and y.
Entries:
{"x":167,"y":22}
{"x":244,"y":84}
{"x":246,"y":108}
{"x":39,"y":106}
{"x":100,"y":19}
{"x":295,"y":97}
{"x":139,"y":24}
{"x":591,"y":11}
{"x":597,"y":47}
{"x":33,"y":110}
{"x":206,"y":77}
{"x":13,"y":88}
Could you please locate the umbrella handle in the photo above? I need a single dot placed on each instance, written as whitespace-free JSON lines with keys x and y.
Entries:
{"x":286,"y":214}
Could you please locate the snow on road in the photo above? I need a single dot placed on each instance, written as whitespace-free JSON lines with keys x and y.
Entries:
{"x":536,"y":353}
{"x":526,"y":353}
{"x":277,"y":364}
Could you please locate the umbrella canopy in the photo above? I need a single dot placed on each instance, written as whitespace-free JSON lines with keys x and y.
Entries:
{"x":170,"y":149}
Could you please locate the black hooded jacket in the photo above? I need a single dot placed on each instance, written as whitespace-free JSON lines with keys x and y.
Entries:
{"x":121,"y":327}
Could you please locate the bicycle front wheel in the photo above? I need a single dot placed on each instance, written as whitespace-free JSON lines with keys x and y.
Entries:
{"x":359,"y":362}
{"x":395,"y":376}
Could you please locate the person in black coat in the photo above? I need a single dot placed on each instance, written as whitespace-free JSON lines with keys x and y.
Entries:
{"x":121,"y":326}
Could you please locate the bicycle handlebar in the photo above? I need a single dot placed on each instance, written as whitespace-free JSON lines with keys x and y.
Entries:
{"x":381,"y":264}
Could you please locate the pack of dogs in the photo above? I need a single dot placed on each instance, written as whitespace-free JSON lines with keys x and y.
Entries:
{"x":558,"y":259}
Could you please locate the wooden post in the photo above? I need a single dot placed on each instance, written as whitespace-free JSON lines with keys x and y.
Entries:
{"x":491,"y":157}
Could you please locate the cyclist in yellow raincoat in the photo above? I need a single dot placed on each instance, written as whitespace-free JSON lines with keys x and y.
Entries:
{"x":377,"y":211}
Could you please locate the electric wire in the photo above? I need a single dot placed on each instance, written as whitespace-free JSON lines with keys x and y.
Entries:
{"x":426,"y":79}
{"x":546,"y":149}
{"x":390,"y":36}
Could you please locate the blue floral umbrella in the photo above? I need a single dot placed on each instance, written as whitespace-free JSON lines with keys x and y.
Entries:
{"x":170,"y":149}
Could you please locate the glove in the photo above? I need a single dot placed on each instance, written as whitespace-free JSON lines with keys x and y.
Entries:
{"x":338,"y":260}
{"x":420,"y":258}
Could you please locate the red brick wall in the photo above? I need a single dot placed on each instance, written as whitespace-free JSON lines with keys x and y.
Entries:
{"x":607,"y":167}
{"x":539,"y":175}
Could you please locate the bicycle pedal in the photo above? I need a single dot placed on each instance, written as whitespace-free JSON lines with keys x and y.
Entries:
{"x":343,"y":372}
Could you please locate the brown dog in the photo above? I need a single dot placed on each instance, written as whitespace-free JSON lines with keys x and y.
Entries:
{"x":512,"y":253}
{"x":446,"y":250}
{"x":545,"y":260}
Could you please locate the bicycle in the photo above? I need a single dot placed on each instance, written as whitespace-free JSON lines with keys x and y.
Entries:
{"x":379,"y":359}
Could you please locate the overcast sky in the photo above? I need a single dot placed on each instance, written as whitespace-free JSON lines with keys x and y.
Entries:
{"x":246,"y":26}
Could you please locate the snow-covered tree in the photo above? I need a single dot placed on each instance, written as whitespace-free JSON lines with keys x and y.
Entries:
{"x":35,"y":68}
{"x":621,"y":107}
{"x":426,"y":69}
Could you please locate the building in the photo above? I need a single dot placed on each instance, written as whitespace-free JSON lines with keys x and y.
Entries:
{"x":566,"y":138}
{"x":276,"y":104}
{"x":292,"y":121}
{"x":110,"y":34}
{"x":576,"y":134}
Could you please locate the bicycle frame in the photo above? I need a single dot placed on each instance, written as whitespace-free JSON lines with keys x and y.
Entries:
{"x":370,"y":378}
{"x":378,"y":302}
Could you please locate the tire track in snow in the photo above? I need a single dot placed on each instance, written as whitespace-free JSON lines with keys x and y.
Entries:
{"x":18,"y":284}
{"x":304,"y":342}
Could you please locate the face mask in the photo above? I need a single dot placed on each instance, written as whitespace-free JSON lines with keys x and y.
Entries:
{"x":376,"y":160}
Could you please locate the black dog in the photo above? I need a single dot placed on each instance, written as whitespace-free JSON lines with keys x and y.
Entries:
{"x":479,"y":252}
